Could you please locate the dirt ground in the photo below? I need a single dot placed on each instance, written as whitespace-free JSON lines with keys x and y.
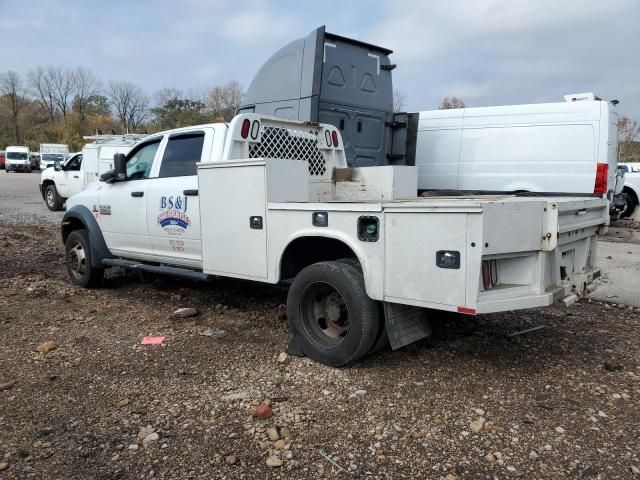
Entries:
{"x":562,"y":402}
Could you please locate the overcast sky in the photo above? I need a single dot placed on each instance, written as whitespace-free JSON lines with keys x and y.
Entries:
{"x":491,"y":52}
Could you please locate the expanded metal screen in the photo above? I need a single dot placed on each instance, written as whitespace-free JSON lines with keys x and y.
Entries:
{"x":290,"y":144}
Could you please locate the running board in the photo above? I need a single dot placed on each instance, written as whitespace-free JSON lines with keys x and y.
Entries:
{"x":184,"y":273}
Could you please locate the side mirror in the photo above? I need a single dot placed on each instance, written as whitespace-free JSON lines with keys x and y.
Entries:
{"x":56,"y":166}
{"x":120,"y":166}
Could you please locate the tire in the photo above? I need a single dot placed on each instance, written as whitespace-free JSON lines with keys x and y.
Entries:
{"x":52,"y":199}
{"x":382,"y":339}
{"x":332,"y":289}
{"x":78,"y":261}
{"x":631,"y":204}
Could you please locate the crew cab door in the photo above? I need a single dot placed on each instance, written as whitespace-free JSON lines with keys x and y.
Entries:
{"x":122,"y":209}
{"x":69,"y":180}
{"x":173,"y":208}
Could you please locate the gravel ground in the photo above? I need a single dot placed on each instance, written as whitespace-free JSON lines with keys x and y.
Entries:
{"x":559,"y":403}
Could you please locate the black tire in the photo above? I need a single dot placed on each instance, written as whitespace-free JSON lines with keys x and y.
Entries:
{"x":337,"y":288}
{"x":52,"y":199}
{"x":79,"y":261}
{"x":382,"y":339}
{"x":631,"y":204}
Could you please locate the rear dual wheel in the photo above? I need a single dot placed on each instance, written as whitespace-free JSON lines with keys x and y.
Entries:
{"x":332,"y":317}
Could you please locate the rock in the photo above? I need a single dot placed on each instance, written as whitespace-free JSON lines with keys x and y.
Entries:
{"x":123,"y":403}
{"x":213,"y":333}
{"x":560,"y":430}
{"x":152,"y":437}
{"x":47,"y":346}
{"x":133,"y":446}
{"x":7,"y":386}
{"x":602,"y":414}
{"x":533,"y":455}
{"x":548,"y":447}
{"x":635,"y":470}
{"x":589,"y":472}
{"x":490,"y":457}
{"x":280,"y":444}
{"x":185,"y":313}
{"x":511,"y":469}
{"x":488,"y":426}
{"x":273,"y":435}
{"x":263,"y":411}
{"x":274,"y":462}
{"x":283,"y":358}
{"x":477,"y":425}
{"x":3,"y":466}
{"x":451,"y":476}
{"x":613,"y":367}
{"x":145,"y":432}
{"x":360,"y":392}
{"x":231,"y":460}
{"x":480,"y":412}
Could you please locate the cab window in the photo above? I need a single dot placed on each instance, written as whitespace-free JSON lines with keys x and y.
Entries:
{"x":181,"y":154}
{"x":74,"y":163}
{"x":140,"y":160}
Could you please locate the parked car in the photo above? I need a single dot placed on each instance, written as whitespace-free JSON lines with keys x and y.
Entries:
{"x":2,"y":160}
{"x":17,"y":159}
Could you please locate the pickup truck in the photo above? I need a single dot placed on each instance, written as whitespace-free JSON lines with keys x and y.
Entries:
{"x":631,"y":187}
{"x":80,"y":169}
{"x":368,"y":261}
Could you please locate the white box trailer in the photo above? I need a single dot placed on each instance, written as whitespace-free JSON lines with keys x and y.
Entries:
{"x":50,"y":153}
{"x":260,"y":199}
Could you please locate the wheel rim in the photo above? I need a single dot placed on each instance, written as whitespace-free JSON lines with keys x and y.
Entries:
{"x":77,"y":260}
{"x":50,"y":199}
{"x":324,"y":314}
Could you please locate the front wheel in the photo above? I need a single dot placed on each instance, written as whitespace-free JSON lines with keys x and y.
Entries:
{"x":630,"y":205}
{"x":80,"y":268}
{"x":52,"y":199}
{"x":330,"y":314}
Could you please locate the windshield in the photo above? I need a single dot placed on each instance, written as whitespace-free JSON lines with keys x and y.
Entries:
{"x":52,"y":157}
{"x":16,"y":156}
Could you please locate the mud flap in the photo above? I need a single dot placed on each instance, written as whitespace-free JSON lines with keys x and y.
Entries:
{"x":405,"y":324}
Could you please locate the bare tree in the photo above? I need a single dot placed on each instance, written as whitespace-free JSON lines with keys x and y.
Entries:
{"x":453,"y":102}
{"x":628,"y":132}
{"x":168,"y":94}
{"x":130,"y":104}
{"x":85,"y":86}
{"x":11,"y":90}
{"x":223,"y":102}
{"x":399,"y":99}
{"x":63,"y":88}
{"x":41,"y":86}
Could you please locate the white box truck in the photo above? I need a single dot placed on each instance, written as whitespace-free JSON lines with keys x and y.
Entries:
{"x":67,"y":178}
{"x":260,"y":199}
{"x":50,"y":153}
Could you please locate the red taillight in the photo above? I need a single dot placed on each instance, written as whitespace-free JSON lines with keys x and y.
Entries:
{"x":600,"y":188}
{"x":334,"y":137}
{"x":246,"y":125}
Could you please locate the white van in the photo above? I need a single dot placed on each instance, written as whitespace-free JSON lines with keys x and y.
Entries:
{"x":551,"y":148}
{"x":17,"y":159}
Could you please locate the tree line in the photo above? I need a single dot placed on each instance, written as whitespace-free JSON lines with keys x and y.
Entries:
{"x":61,"y":105}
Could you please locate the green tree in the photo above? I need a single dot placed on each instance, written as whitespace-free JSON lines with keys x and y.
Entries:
{"x":177,"y":112}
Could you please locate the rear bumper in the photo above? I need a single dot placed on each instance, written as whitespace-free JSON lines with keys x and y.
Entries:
{"x":579,"y":284}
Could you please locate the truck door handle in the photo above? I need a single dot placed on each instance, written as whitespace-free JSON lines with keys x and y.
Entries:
{"x":137,"y":194}
{"x":76,"y":176}
{"x":190,"y":193}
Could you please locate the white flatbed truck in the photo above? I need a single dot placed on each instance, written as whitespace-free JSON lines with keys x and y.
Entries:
{"x":273,"y":201}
